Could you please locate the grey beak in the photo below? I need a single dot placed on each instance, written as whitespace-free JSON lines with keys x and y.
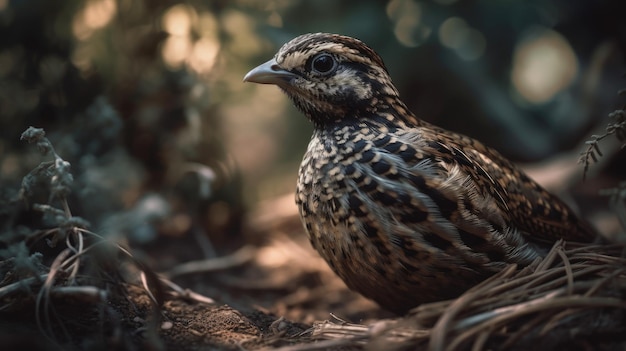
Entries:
{"x":269,"y":73}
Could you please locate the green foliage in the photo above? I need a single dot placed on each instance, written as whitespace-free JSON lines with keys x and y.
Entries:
{"x":59,"y":255}
{"x":58,"y":178}
{"x":617,"y":127}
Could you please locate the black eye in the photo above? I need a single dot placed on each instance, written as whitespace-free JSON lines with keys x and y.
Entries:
{"x":323,"y":63}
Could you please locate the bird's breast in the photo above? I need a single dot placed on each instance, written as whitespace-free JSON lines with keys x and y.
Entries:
{"x":391,"y":220}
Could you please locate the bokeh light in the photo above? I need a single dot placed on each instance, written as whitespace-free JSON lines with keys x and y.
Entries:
{"x":544,"y":64}
{"x":177,"y":23}
{"x":409,"y":28}
{"x":95,"y":15}
{"x":468,"y":43}
{"x":192,"y":39}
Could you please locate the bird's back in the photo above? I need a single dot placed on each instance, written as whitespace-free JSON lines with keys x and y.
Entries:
{"x":538,"y":213}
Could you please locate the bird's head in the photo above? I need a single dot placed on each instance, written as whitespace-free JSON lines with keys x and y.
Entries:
{"x":329,"y":77}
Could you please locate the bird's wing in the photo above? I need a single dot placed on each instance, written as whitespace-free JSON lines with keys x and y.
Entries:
{"x":534,"y":210}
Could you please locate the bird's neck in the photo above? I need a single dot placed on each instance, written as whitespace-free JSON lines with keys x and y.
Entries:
{"x":395,"y":110}
{"x":388,"y":111}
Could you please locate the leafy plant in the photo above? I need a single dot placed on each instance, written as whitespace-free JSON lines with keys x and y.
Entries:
{"x":617,"y":127}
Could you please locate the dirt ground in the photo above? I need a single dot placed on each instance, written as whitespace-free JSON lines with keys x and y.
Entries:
{"x":274,"y":292}
{"x":269,"y":290}
{"x":266,"y":294}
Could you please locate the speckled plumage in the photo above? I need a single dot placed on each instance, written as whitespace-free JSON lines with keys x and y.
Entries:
{"x":403,"y":211}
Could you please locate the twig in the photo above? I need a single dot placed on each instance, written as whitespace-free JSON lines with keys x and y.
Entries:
{"x":238,"y":258}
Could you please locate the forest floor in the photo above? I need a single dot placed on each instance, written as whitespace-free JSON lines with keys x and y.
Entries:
{"x":263,"y":295}
{"x":274,"y":292}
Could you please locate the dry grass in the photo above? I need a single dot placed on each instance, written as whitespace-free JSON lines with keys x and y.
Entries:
{"x":571,"y":297}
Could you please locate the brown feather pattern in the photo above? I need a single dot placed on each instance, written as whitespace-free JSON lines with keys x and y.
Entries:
{"x":403,"y":211}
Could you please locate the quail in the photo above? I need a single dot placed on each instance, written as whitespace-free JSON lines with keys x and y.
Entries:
{"x":403,"y":211}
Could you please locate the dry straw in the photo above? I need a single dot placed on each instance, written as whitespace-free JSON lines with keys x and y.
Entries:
{"x":572,"y":296}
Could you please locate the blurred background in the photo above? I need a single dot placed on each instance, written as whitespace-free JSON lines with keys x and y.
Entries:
{"x":145,"y":98}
